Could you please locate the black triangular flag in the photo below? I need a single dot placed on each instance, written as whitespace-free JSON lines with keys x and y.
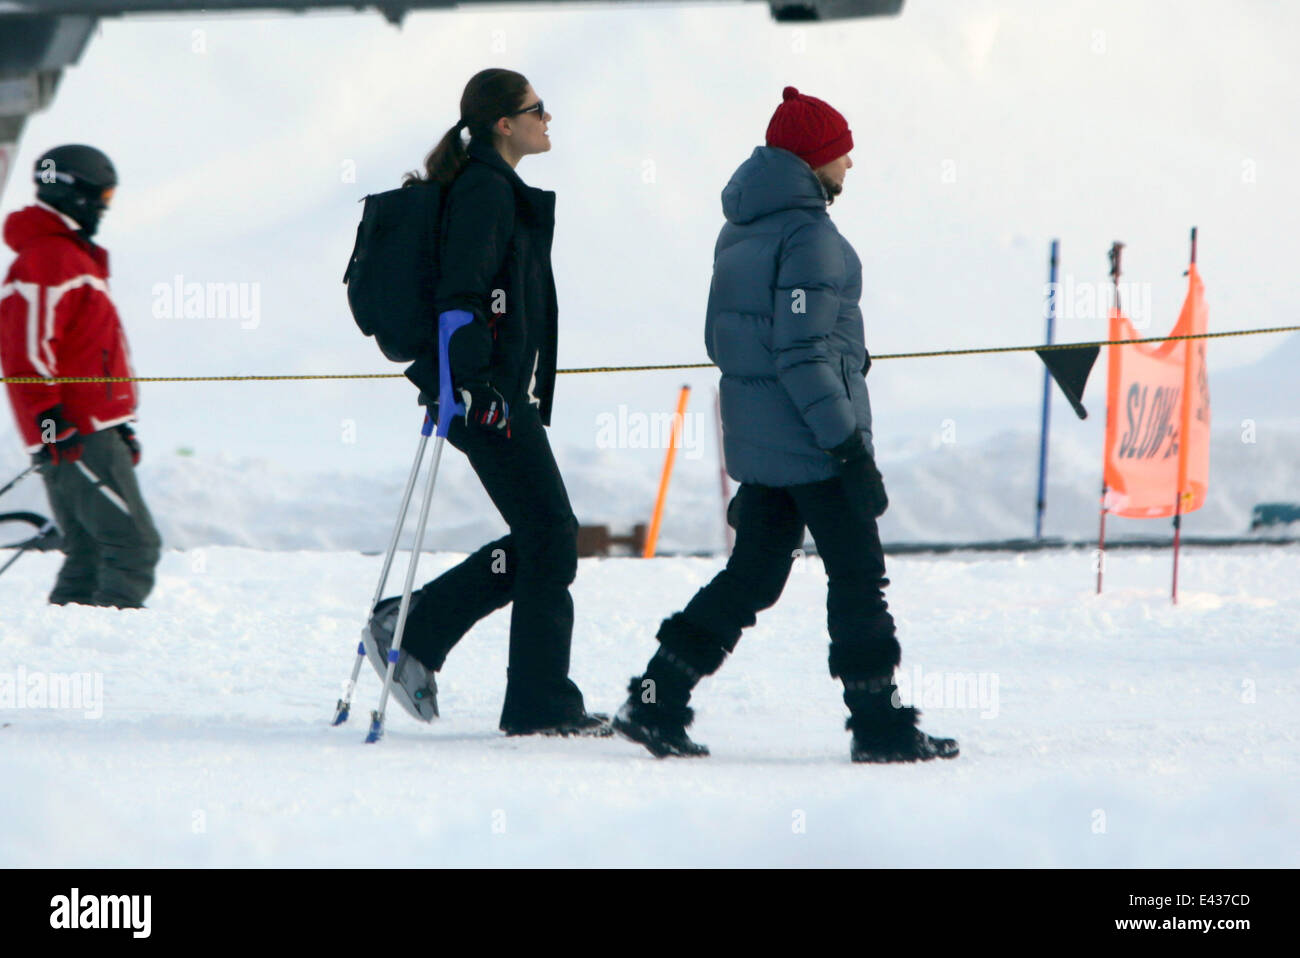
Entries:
{"x":1070,"y":367}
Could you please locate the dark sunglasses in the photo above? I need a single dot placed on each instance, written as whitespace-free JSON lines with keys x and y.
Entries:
{"x":535,"y":108}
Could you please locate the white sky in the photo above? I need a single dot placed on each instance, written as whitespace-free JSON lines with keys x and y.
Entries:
{"x":982,"y":130}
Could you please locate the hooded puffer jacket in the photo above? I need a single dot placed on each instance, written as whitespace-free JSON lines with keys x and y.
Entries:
{"x":783,"y":325}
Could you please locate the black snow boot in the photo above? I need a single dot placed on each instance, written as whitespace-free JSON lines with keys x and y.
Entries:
{"x":659,"y":725}
{"x":590,"y":724}
{"x":884,"y":731}
{"x":535,"y":707}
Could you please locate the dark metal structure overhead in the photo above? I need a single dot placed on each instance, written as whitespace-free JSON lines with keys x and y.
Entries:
{"x":39,"y":38}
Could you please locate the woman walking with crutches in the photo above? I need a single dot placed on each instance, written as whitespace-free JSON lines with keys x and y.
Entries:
{"x":497,"y":317}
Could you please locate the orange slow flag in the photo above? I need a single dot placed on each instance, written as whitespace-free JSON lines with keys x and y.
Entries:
{"x":1158,"y":416}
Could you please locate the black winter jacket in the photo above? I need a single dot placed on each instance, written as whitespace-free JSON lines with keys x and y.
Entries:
{"x":495,"y":262}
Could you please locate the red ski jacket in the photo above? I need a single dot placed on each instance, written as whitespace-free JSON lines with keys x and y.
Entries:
{"x":56,"y":319}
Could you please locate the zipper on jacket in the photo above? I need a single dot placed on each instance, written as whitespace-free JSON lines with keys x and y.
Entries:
{"x":108,"y":387}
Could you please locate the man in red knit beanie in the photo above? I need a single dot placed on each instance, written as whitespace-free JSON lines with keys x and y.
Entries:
{"x":817,"y":133}
{"x":783,"y":325}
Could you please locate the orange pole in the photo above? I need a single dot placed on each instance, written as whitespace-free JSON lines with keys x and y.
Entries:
{"x":652,"y":537}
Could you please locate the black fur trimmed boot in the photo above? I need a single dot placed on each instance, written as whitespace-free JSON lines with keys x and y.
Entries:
{"x":657,"y":725}
{"x":885,"y":731}
{"x":656,"y":714}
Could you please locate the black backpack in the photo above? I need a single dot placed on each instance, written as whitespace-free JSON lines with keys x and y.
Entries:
{"x":393,"y":272}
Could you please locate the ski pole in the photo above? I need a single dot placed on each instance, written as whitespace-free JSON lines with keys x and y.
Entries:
{"x":344,"y":705}
{"x":19,"y":554}
{"x":44,"y":528}
{"x":15,"y":557}
{"x":377,"y":717}
{"x":19,"y":478}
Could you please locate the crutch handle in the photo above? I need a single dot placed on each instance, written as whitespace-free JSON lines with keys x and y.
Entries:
{"x":448,"y":323}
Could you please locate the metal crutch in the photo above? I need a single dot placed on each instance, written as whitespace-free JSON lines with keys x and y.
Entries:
{"x":377,"y":717}
{"x":344,"y":706}
{"x":448,"y":323}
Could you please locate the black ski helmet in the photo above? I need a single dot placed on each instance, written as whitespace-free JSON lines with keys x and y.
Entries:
{"x":75,"y":179}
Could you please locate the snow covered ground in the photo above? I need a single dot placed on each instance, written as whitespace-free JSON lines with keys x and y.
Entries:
{"x":1096,"y":731}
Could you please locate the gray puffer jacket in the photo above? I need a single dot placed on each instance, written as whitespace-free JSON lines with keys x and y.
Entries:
{"x":784,"y":326}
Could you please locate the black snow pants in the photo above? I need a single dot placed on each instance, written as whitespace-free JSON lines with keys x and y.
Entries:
{"x":109,"y":539}
{"x":531,"y":567}
{"x":770,"y":523}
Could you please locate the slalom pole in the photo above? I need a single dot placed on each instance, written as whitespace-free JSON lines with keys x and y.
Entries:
{"x":1178,"y":528}
{"x":679,"y":418}
{"x":344,"y":706}
{"x":729,"y":534}
{"x":19,"y":478}
{"x":1184,"y":423}
{"x":1116,"y":248}
{"x":377,"y":717}
{"x":1101,"y":538}
{"x":1047,"y":394}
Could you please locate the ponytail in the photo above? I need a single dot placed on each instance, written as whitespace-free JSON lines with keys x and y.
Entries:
{"x":444,"y":162}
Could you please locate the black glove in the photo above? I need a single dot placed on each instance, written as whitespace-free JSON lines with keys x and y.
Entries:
{"x":132,"y":443}
{"x":60,"y":439}
{"x":862,"y":480}
{"x":485,"y":408}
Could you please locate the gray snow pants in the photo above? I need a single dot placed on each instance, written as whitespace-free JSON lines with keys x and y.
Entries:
{"x":109,"y":539}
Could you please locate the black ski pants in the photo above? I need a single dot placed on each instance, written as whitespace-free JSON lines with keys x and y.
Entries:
{"x":109,"y":539}
{"x":531,"y":567}
{"x":770,"y":524}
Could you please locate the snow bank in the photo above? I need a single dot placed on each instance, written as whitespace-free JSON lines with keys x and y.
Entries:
{"x":1113,"y":731}
{"x":958,"y":492}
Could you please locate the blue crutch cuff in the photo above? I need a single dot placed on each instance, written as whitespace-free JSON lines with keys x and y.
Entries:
{"x":448,"y":322}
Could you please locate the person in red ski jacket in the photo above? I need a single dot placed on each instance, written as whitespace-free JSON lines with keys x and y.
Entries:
{"x":57,"y":320}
